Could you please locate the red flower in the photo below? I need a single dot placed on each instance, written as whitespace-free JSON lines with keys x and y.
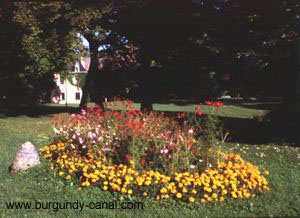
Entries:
{"x":142,"y":161}
{"x":209,"y":103}
{"x":218,"y":104}
{"x":91,"y":108}
{"x":199,"y":111}
{"x":127,"y":156}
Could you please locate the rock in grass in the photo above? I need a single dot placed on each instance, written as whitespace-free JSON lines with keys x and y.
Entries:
{"x":26,"y":157}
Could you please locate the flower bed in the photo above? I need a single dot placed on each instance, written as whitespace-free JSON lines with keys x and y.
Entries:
{"x":147,"y":154}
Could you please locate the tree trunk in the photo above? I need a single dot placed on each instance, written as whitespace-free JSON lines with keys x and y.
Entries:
{"x":93,"y":69}
{"x":147,"y":98}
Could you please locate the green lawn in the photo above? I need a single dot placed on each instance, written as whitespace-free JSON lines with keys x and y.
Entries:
{"x":225,"y":111}
{"x":40,"y":184}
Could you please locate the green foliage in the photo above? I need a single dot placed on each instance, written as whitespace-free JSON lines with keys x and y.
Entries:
{"x":82,"y":78}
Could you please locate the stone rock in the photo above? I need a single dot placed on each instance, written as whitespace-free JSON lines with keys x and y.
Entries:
{"x":26,"y":157}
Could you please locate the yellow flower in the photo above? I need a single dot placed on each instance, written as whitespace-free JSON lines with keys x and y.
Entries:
{"x":208,"y":189}
{"x":147,"y":182}
{"x":203,"y":200}
{"x":191,"y":199}
{"x":194,"y":191}
{"x":224,"y":192}
{"x":68,"y":177}
{"x":174,"y":191}
{"x":179,"y":195}
{"x":214,"y":195}
{"x":105,"y":188}
{"x":163,"y":190}
{"x":129,"y":192}
{"x":233,"y":194}
{"x":61,"y":173}
{"x":86,"y":183}
{"x":184,"y":190}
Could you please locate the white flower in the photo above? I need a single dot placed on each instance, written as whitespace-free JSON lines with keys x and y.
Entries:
{"x":90,"y":135}
{"x":200,"y":160}
{"x":56,"y":131}
{"x":191,"y":131}
{"x":105,"y":149}
{"x":164,"y":151}
{"x":192,"y":166}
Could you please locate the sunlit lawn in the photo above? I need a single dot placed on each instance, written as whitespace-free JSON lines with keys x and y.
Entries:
{"x":40,"y":184}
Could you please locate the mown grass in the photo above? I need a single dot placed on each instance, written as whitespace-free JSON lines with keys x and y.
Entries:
{"x":40,"y":183}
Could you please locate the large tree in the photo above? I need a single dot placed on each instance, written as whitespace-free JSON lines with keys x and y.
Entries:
{"x":50,"y":35}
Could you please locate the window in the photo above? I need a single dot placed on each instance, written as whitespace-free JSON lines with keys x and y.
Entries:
{"x":77,"y":95}
{"x":77,"y":79}
{"x":62,"y":96}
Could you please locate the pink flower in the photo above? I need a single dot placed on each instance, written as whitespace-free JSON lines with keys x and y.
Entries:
{"x":83,"y":112}
{"x":80,"y":140}
{"x":90,"y":135}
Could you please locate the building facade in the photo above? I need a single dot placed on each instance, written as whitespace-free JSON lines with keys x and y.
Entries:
{"x":68,"y":90}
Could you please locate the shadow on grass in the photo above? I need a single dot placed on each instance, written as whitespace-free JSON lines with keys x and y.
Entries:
{"x":7,"y":111}
{"x":279,"y":126}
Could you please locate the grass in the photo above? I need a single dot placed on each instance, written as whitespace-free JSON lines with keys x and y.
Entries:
{"x":40,"y":183}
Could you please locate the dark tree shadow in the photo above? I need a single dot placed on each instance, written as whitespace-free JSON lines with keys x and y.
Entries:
{"x":13,"y":110}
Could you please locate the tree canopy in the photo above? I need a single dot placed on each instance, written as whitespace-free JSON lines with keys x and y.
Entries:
{"x":178,"y":47}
